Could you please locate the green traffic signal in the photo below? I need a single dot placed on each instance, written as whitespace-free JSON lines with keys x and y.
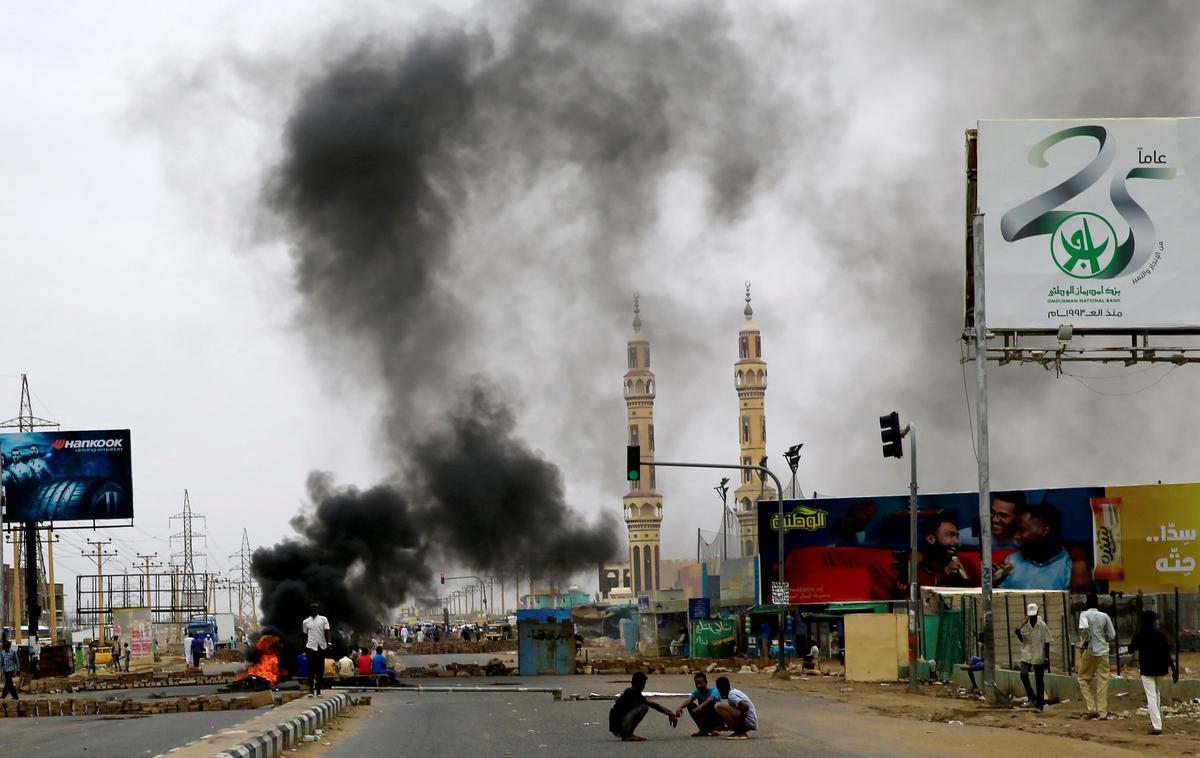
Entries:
{"x":633,"y":462}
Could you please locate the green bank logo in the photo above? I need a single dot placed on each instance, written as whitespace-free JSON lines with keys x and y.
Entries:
{"x":1084,"y":245}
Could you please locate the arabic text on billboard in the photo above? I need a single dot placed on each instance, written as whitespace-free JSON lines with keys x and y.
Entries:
{"x":1090,"y":223}
{"x":1080,"y":539}
{"x":67,"y":476}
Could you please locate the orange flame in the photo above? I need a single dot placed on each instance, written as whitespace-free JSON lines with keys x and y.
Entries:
{"x":267,"y":666}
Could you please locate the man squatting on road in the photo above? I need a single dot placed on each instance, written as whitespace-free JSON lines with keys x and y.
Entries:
{"x":737,"y":711}
{"x":631,"y":707}
{"x":701,"y":706}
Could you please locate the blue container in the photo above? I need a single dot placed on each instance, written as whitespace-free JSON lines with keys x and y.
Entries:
{"x":546,"y":642}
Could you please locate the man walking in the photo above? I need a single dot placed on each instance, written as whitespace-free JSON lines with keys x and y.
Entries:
{"x":1035,"y":654}
{"x":1154,"y":658}
{"x":631,"y":707}
{"x":737,"y":711}
{"x":1095,"y":633}
{"x":11,"y":666}
{"x":316,"y":632}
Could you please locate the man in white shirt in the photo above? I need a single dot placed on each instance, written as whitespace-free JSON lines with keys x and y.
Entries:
{"x":737,"y":710}
{"x":187,"y":650}
{"x":316,"y":632}
{"x":1095,"y":633}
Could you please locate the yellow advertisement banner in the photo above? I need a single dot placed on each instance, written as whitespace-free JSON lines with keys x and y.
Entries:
{"x":1156,"y":545}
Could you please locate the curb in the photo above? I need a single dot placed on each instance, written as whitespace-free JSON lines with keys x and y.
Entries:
{"x":274,"y":741}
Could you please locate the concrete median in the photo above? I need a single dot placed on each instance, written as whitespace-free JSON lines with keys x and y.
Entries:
{"x":268,"y":734}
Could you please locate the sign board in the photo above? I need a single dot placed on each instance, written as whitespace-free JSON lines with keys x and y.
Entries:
{"x":67,"y":476}
{"x":1076,"y":539}
{"x":780,"y":593}
{"x":1090,"y":222}
{"x":643,"y":602}
{"x":698,"y":608}
{"x":135,"y":626}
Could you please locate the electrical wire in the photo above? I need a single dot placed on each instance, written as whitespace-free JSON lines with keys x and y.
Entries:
{"x":1138,"y":391}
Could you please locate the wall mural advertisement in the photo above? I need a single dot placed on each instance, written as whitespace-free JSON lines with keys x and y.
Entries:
{"x":67,"y":476}
{"x":1079,"y":539}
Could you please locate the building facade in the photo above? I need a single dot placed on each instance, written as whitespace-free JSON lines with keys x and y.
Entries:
{"x":642,"y":504}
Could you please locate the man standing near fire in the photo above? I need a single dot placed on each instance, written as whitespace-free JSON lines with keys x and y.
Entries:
{"x":316,"y":631}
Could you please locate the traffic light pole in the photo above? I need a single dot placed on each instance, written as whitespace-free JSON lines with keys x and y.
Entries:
{"x":914,"y":600}
{"x":781,"y":664}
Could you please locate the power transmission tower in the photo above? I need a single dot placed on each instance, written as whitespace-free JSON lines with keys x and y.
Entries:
{"x":193,"y":596}
{"x":246,"y":588}
{"x":35,"y":564}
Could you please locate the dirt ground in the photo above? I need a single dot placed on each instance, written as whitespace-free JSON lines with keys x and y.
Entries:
{"x":949,"y":704}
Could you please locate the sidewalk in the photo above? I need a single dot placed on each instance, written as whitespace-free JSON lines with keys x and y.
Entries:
{"x":269,"y":733}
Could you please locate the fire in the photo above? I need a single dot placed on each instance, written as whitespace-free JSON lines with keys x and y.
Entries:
{"x":267,"y":666}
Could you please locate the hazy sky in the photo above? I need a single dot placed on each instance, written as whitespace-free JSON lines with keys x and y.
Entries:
{"x":819,"y":157}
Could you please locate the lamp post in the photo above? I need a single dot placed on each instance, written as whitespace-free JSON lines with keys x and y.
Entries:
{"x":723,"y":492}
{"x":792,"y":456}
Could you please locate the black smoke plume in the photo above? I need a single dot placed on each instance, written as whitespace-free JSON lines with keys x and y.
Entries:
{"x":384,"y":150}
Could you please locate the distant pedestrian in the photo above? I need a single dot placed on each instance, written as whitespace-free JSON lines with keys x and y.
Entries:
{"x":1035,"y":639}
{"x":631,"y":707}
{"x":11,"y":666}
{"x":1154,"y":658}
{"x":208,"y":646}
{"x":187,"y":651}
{"x":421,"y":635}
{"x":197,"y":650}
{"x":316,"y":630}
{"x":89,"y":655}
{"x":737,"y":711}
{"x":127,"y":657}
{"x":1095,"y":633}
{"x":404,"y":636}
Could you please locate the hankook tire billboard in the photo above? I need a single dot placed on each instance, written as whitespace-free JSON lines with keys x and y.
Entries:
{"x":67,"y":476}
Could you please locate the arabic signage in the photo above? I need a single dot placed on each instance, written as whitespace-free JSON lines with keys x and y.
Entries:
{"x":780,"y":593}
{"x":1090,"y":223}
{"x":67,"y":476}
{"x":1080,"y":539}
{"x":135,"y":627}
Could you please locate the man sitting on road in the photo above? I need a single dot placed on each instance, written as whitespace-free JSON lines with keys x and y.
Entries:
{"x":379,"y":664}
{"x":701,"y":706}
{"x":631,"y":707}
{"x":737,"y":711}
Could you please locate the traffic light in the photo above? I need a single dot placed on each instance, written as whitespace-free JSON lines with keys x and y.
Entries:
{"x":889,"y":426}
{"x":633,"y":462}
{"x":443,"y":577}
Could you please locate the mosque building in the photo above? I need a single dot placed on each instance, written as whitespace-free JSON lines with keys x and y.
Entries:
{"x":645,"y":571}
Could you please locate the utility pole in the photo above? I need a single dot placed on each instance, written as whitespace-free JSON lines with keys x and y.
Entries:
{"x":99,"y":557}
{"x":50,"y":585}
{"x":147,"y":557}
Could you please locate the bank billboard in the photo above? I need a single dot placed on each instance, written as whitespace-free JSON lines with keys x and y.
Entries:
{"x":1090,"y":222}
{"x":1079,"y":539}
{"x":67,"y":476}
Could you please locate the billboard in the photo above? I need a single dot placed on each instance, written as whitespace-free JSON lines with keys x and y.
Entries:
{"x":1079,"y":539}
{"x":67,"y":476}
{"x":842,"y":549}
{"x":135,"y":627}
{"x":1089,"y":222}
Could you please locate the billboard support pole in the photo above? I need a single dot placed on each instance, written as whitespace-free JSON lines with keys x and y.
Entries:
{"x":32,"y":608}
{"x":985,"y":498}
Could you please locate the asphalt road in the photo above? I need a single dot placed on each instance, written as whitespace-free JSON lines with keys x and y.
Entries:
{"x":436,"y":725}
{"x":111,"y":736}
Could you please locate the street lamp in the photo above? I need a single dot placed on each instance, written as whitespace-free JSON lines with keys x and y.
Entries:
{"x":792,"y":456}
{"x":723,"y":491}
